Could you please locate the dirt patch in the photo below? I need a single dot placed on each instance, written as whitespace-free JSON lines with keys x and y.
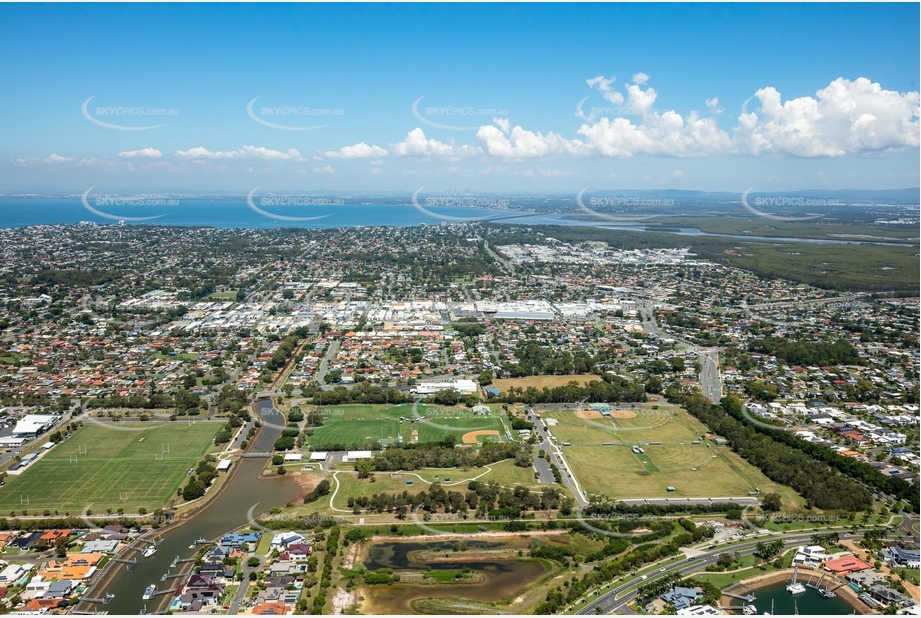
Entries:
{"x":471,"y":436}
{"x":343,"y":600}
{"x":306,"y":482}
{"x":623,"y":414}
{"x":351,"y":556}
{"x":588,"y":414}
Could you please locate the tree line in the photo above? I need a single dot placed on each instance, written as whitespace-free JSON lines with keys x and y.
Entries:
{"x":849,"y":466}
{"x":445,"y":455}
{"x":609,"y":389}
{"x":779,"y":461}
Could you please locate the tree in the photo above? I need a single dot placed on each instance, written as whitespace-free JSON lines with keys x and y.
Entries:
{"x":485,"y":378}
{"x":364,"y":467}
{"x":771,"y":502}
{"x":253,"y":562}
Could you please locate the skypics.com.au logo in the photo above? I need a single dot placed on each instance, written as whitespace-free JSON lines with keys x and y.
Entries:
{"x":460,"y":200}
{"x":784,"y":202}
{"x":118,"y":117}
{"x":619,"y":202}
{"x":296,"y":201}
{"x":107,"y":201}
{"x":280,"y":117}
{"x":439,"y":116}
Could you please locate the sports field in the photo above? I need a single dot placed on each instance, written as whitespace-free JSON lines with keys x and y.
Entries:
{"x":540,"y":382}
{"x":601,"y":454}
{"x":358,"y":425}
{"x":101,"y":468}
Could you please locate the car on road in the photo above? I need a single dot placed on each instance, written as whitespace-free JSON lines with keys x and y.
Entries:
{"x":662,"y":569}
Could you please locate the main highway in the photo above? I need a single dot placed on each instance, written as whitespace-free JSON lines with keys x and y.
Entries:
{"x":617,"y":599}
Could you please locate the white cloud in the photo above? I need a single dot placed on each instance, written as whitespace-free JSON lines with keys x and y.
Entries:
{"x":677,"y":174}
{"x":257,"y":152}
{"x":714,"y":105}
{"x":502,"y":123}
{"x":50,"y":159}
{"x":326,"y":169}
{"x":846,"y":117}
{"x":640,"y":78}
{"x":603,"y":85}
{"x":519,"y":143}
{"x":151,"y":153}
{"x":417,"y":145}
{"x":667,"y":134}
{"x":376,"y":170}
{"x":360,"y":150}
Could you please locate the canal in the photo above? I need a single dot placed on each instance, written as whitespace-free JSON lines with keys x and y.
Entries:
{"x":224,"y":513}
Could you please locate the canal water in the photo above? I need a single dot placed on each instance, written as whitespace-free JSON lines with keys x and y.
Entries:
{"x":224,"y":513}
{"x":810,"y":603}
{"x":504,"y":578}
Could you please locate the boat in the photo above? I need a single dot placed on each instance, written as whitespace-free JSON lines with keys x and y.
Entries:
{"x":149,"y":592}
{"x":749,"y":610}
{"x":828,"y":593}
{"x":794,"y":587}
{"x":201,"y":540}
{"x":150,"y":551}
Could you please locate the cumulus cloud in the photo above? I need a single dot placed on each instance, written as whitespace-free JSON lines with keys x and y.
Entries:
{"x":151,"y":153}
{"x":376,"y":170}
{"x":257,"y":152}
{"x":360,"y":150}
{"x":326,"y":169}
{"x":417,"y":145}
{"x":677,"y":174}
{"x":846,"y":117}
{"x":519,"y":143}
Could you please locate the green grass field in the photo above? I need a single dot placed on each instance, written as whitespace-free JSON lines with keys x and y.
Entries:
{"x":359,"y":424}
{"x":115,"y":462}
{"x":601,"y":456}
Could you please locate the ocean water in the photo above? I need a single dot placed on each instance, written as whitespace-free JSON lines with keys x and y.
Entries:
{"x":21,"y":212}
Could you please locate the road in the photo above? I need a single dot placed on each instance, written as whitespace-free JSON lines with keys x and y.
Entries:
{"x":244,"y":586}
{"x":610,"y":602}
{"x":324,"y":364}
{"x":553,"y":452}
{"x":710,"y":375}
{"x":710,"y":383}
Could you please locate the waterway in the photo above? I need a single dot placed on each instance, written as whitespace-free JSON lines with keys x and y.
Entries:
{"x":810,"y":603}
{"x":237,"y":213}
{"x":224,"y":513}
{"x":504,"y":578}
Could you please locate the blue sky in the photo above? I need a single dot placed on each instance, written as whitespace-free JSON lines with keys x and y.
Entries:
{"x":831,"y":92}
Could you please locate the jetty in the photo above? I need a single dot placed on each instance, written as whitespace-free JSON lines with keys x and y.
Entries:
{"x":178,"y":560}
{"x":748,"y":598}
{"x":130,"y":565}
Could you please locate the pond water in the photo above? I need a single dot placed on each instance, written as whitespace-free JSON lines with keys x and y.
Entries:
{"x":504,"y":578}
